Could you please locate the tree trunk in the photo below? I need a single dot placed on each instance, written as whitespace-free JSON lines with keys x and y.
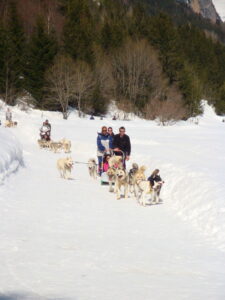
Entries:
{"x":65,"y":115}
{"x":79,"y":107}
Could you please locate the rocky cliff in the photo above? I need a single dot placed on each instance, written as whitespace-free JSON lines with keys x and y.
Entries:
{"x":205,"y":8}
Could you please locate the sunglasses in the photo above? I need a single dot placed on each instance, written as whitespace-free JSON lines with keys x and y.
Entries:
{"x":122,"y":130}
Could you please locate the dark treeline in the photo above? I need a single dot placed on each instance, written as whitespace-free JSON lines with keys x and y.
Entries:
{"x":138,"y":53}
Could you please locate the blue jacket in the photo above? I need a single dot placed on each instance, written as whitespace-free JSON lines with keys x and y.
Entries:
{"x":104,"y":142}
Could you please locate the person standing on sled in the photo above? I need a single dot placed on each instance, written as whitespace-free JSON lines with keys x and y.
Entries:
{"x":8,"y":115}
{"x":121,"y":145}
{"x":45,"y":131}
{"x":104,"y":146}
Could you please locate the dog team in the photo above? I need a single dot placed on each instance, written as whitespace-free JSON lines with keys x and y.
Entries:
{"x":46,"y":142}
{"x":113,"y":151}
{"x":64,"y":165}
{"x":133,"y":182}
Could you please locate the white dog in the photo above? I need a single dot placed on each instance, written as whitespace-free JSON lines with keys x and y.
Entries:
{"x":66,"y":144}
{"x":56,"y":146}
{"x":121,"y":180}
{"x":116,"y":162}
{"x":10,"y":124}
{"x":143,"y":185}
{"x":65,"y":166}
{"x":92,"y":168}
{"x":111,"y":173}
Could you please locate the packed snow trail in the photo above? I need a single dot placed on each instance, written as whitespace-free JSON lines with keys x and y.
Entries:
{"x":73,"y":240}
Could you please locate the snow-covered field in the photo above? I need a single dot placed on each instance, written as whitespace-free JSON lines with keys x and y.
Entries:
{"x":72,"y":240}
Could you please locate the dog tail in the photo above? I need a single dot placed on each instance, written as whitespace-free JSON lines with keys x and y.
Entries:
{"x":142,"y":169}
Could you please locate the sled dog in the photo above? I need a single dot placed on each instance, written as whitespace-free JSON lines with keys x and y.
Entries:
{"x":132,"y":179}
{"x":92,"y":168}
{"x":116,"y":162}
{"x":121,"y":180}
{"x":55,"y":146}
{"x":10,"y":123}
{"x":65,"y":165}
{"x":43,"y":144}
{"x":66,"y":144}
{"x":156,"y":192}
{"x":143,"y":185}
{"x":111,"y":173}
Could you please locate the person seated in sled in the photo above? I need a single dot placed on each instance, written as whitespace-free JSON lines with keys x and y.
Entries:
{"x":122,"y":145}
{"x":45,"y":131}
{"x":106,"y":162}
{"x":104,"y":146}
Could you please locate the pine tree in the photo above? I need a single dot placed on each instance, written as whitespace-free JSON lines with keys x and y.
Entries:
{"x":2,"y":60}
{"x":41,"y":52}
{"x":79,"y":31}
{"x":12,"y":53}
{"x":163,"y":35}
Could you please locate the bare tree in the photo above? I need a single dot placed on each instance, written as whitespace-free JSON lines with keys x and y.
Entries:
{"x":137,"y":72}
{"x":83,"y":83}
{"x":169,"y":110}
{"x":104,"y":74}
{"x":61,"y":79}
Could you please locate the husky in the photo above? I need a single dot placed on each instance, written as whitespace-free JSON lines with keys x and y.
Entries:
{"x":65,"y":165}
{"x":156,"y":189}
{"x":132,"y":179}
{"x":111,"y":173}
{"x":44,"y":144}
{"x":121,"y":180}
{"x":55,"y":146}
{"x":92,"y":168}
{"x":116,"y":162}
{"x":66,"y":144}
{"x":143,"y":185}
{"x":10,"y":123}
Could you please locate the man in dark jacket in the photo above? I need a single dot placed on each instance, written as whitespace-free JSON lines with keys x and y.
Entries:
{"x":121,"y":142}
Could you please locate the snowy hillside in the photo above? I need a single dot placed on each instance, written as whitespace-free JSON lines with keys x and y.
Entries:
{"x":73,"y":240}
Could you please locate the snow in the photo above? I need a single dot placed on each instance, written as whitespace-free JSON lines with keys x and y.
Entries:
{"x":220,"y":8}
{"x":73,"y":240}
{"x":10,"y":153}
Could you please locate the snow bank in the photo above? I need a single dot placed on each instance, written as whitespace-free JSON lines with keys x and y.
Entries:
{"x":198,"y":192}
{"x":10,"y":153}
{"x":199,"y":200}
